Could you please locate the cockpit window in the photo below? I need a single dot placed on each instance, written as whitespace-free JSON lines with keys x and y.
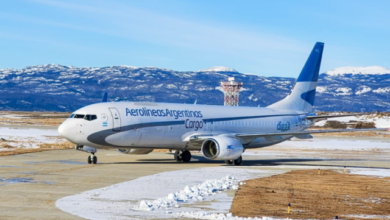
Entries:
{"x":71,"y":116}
{"x":79,"y":116}
{"x":90,"y":117}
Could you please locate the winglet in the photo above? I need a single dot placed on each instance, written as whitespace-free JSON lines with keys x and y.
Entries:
{"x":104,"y":97}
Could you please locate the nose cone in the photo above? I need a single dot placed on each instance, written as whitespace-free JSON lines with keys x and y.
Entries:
{"x":61,"y":130}
{"x":65,"y":130}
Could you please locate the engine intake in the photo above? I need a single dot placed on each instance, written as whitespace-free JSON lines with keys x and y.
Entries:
{"x":222,"y":148}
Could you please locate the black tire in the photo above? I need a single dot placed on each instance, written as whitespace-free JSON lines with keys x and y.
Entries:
{"x":229,"y":162}
{"x":89,"y":160}
{"x":186,"y":156}
{"x":177,"y":156}
{"x":238,"y":161}
{"x":94,"y":160}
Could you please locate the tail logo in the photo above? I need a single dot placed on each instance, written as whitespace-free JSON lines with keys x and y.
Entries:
{"x":309,"y":96}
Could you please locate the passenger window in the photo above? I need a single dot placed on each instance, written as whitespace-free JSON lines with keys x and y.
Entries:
{"x":79,"y":116}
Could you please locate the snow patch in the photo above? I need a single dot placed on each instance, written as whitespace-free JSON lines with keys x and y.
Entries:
{"x":194,"y":193}
{"x":117,"y":201}
{"x":218,"y":69}
{"x":171,"y":86}
{"x":343,"y":91}
{"x":380,"y":122}
{"x":322,"y":89}
{"x":362,"y":90}
{"x":371,"y":172}
{"x":382,"y":90}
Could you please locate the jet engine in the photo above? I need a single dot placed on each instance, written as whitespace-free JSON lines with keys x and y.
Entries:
{"x":222,"y":148}
{"x":136,"y":151}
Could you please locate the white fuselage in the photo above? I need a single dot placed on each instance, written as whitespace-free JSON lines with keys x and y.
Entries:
{"x":163,"y":125}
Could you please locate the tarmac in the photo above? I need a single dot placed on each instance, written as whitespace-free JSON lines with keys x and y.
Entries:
{"x":31,"y":183}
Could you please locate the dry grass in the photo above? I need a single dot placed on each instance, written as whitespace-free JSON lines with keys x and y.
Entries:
{"x":17,"y":151}
{"x":382,"y":134}
{"x":313,"y":196}
{"x":10,"y":150}
{"x":33,"y":118}
{"x":63,"y":145}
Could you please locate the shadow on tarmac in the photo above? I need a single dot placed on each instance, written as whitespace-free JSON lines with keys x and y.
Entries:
{"x":266,"y":162}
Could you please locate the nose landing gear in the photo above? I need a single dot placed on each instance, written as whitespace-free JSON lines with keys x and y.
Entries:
{"x":182,"y":156}
{"x":92,"y":159}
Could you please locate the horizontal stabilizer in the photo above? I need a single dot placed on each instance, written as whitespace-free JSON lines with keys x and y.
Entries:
{"x":303,"y":136}
{"x":332,"y":116}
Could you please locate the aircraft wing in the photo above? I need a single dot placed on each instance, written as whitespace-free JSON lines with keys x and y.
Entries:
{"x":195,"y":141}
{"x":332,"y":116}
{"x":308,"y":132}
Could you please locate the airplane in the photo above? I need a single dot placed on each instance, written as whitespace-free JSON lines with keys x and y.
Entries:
{"x":218,"y":132}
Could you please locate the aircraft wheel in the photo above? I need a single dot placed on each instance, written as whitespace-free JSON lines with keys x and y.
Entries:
{"x":94,"y":159}
{"x":89,"y":160}
{"x":177,"y":156}
{"x":238,"y":161}
{"x":229,"y":162}
{"x":186,"y":156}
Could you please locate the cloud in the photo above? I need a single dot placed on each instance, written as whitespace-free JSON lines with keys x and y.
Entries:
{"x":148,"y":26}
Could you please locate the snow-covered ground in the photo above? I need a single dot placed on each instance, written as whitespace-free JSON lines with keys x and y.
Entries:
{"x":13,"y":116}
{"x":380,"y":122}
{"x":26,"y":137}
{"x":200,"y":192}
{"x":372,"y":172}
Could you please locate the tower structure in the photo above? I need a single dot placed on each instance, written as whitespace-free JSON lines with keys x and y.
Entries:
{"x":231,"y":90}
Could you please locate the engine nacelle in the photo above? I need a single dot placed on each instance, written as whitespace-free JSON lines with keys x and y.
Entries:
{"x":136,"y":151}
{"x":222,"y":148}
{"x":86,"y":148}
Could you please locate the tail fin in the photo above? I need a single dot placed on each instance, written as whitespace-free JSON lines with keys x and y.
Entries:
{"x":302,"y":95}
{"x":104,"y":99}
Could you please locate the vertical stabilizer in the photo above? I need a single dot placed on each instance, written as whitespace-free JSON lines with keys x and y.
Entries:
{"x":302,"y":96}
{"x":104,"y":99}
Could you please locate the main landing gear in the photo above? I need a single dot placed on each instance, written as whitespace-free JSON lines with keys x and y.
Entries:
{"x":92,"y":158}
{"x":184,"y":156}
{"x":237,"y":161}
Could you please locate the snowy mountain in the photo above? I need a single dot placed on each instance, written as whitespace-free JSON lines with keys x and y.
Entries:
{"x":218,"y":69}
{"x":66,"y":88}
{"x":358,"y":70}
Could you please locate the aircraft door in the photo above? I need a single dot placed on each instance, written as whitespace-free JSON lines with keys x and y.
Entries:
{"x":116,"y":125}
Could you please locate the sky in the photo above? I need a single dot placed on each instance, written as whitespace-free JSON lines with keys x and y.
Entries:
{"x":269,"y":38}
